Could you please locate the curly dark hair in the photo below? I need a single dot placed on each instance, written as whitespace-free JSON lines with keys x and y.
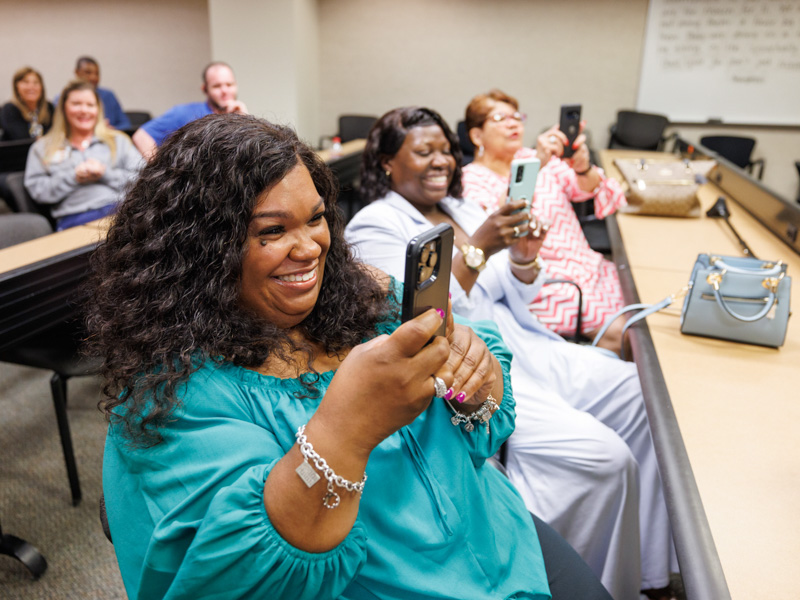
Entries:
{"x":385,"y":139}
{"x":165,"y":285}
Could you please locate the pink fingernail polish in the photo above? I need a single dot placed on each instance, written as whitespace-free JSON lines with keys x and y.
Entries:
{"x":461,"y":397}
{"x":449,"y":394}
{"x":449,"y":295}
{"x":440,"y":312}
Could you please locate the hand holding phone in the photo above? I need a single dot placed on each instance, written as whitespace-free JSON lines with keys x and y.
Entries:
{"x":427,"y":279}
{"x":522,"y":182}
{"x":570,"y":124}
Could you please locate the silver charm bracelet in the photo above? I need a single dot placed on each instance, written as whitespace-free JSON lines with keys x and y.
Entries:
{"x":310,"y":476}
{"x":482,"y":415}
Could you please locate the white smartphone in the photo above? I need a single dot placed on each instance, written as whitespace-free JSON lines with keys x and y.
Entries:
{"x":522,"y":183}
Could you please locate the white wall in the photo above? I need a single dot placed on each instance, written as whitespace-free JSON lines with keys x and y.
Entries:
{"x":273,"y":47}
{"x":380,"y":55}
{"x":151,"y":52}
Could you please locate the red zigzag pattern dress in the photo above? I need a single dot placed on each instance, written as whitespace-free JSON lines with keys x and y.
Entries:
{"x":566,"y":252}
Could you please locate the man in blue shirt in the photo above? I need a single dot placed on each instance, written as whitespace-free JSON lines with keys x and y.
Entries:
{"x":86,"y":68}
{"x":219,"y":86}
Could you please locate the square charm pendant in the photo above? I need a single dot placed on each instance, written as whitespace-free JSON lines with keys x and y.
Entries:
{"x":307,"y":473}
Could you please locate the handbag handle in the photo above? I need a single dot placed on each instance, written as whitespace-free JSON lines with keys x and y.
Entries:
{"x":770,"y":283}
{"x":774,"y":270}
{"x":645,"y":310}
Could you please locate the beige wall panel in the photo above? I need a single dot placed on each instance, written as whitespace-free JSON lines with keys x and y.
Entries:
{"x":273,"y":47}
{"x":377,"y":55}
{"x":151,"y":52}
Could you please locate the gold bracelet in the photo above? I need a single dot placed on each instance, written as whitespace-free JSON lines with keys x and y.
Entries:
{"x":536,"y":262}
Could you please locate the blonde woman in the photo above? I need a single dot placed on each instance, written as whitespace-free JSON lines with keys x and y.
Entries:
{"x":81,"y":167}
{"x":28,"y":114}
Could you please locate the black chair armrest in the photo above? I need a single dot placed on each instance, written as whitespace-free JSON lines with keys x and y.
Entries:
{"x":752,"y":166}
{"x":577,"y":336}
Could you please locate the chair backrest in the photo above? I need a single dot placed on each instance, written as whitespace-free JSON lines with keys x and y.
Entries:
{"x":23,"y":203}
{"x":736,"y":149}
{"x":355,"y":127}
{"x":466,"y":145}
{"x":14,"y":155}
{"x":21,"y":227}
{"x":138,"y":117}
{"x":642,"y":131}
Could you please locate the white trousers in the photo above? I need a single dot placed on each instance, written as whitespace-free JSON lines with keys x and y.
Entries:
{"x":583,"y":459}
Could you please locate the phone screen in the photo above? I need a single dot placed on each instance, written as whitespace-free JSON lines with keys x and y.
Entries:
{"x":570,"y":124}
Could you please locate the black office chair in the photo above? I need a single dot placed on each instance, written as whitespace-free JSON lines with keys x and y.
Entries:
{"x":137,"y":119}
{"x":355,"y":127}
{"x":637,"y":130}
{"x":55,"y":349}
{"x":736,"y":149}
{"x":17,"y":228}
{"x":466,"y":145}
{"x":24,"y":552}
{"x":797,"y":166}
{"x":21,"y":201}
{"x":14,"y":155}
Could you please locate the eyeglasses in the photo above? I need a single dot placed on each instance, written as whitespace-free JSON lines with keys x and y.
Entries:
{"x":500,"y":117}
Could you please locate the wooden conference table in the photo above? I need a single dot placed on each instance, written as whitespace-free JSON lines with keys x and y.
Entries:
{"x":735,"y":408}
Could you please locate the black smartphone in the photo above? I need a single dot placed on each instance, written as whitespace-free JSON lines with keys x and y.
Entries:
{"x":570,"y":124}
{"x":427,"y":283}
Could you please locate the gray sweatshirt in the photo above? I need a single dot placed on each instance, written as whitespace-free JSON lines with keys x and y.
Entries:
{"x":54,"y":184}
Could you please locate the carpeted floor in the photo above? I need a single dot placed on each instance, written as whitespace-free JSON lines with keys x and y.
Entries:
{"x":34,"y":492}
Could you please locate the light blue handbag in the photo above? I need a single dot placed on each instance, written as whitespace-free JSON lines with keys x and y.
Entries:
{"x":729,"y":298}
{"x":739,"y":299}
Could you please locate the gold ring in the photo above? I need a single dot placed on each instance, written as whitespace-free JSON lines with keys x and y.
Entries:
{"x":516,"y":231}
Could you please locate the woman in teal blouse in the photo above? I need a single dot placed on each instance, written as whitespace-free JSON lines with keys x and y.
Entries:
{"x":274,"y":431}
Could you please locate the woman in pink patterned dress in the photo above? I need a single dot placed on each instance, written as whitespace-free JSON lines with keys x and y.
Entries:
{"x":496,"y":127}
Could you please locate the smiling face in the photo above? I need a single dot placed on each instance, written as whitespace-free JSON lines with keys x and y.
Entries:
{"x":422,"y":169}
{"x":80,"y":111}
{"x":29,"y":89}
{"x":220,"y":87}
{"x":287,"y":243}
{"x":499,"y":138}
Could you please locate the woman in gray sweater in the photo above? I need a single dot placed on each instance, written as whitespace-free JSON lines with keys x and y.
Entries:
{"x":81,"y":167}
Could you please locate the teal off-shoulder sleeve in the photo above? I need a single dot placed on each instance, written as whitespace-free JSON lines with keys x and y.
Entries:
{"x":200,"y":526}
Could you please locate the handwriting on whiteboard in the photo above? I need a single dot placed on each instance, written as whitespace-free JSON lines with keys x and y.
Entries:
{"x":741,"y":40}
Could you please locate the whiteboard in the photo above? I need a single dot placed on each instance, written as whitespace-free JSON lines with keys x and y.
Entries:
{"x":733,"y":60}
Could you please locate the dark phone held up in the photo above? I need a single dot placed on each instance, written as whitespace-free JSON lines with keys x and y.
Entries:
{"x":570,"y":124}
{"x":429,"y":257}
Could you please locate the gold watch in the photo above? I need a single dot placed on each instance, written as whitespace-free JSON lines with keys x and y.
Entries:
{"x":473,"y":257}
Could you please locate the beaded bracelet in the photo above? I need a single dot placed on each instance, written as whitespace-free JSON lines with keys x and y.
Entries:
{"x":483,"y":414}
{"x":310,"y":477}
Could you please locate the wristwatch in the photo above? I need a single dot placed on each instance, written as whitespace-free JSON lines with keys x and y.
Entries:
{"x":473,"y":257}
